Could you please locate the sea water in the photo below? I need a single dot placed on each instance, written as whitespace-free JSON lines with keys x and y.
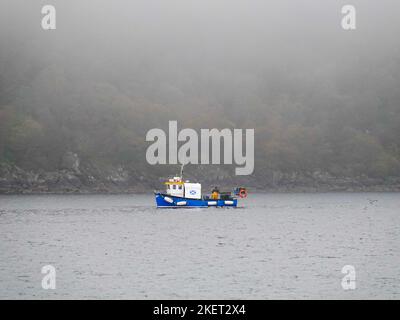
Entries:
{"x":275,"y":246}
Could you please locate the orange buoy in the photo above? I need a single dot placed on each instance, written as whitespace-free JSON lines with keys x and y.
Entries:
{"x":243,"y":193}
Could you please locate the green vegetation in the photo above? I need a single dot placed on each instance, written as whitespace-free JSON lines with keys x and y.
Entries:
{"x":320,"y":99}
{"x":346,"y":133}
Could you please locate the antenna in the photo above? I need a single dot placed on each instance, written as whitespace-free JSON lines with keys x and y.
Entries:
{"x":182,"y":165}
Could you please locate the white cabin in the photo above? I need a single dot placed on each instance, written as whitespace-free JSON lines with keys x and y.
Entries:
{"x":178,"y":188}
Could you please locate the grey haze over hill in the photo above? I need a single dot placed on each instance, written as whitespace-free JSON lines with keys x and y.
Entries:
{"x":76,"y":102}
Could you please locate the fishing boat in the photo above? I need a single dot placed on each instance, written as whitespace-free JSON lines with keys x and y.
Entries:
{"x":182,"y":193}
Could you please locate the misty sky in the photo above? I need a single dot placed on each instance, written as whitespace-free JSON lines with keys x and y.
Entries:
{"x":194,"y":34}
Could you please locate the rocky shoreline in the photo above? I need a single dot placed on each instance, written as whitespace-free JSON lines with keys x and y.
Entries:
{"x":89,"y":180}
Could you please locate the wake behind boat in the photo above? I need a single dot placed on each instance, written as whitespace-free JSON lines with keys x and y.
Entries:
{"x":186,"y":194}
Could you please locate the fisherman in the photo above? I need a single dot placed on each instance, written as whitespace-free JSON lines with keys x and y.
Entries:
{"x":215,"y":193}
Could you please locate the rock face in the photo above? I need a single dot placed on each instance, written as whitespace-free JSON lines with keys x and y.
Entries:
{"x":72,"y":178}
{"x":319,"y":181}
{"x":76,"y":177}
{"x":70,"y":161}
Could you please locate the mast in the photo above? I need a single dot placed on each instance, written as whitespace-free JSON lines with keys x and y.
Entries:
{"x":182,"y":165}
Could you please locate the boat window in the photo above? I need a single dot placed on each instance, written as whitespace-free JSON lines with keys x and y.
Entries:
{"x":174,"y":186}
{"x":180,"y":187}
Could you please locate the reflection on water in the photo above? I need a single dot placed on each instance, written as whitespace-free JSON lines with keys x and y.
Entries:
{"x":276,"y":246}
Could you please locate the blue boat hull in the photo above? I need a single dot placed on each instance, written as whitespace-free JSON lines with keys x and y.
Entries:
{"x":178,"y":202}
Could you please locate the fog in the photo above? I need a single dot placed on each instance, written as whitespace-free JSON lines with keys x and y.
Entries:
{"x":241,"y":34}
{"x":319,"y":97}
